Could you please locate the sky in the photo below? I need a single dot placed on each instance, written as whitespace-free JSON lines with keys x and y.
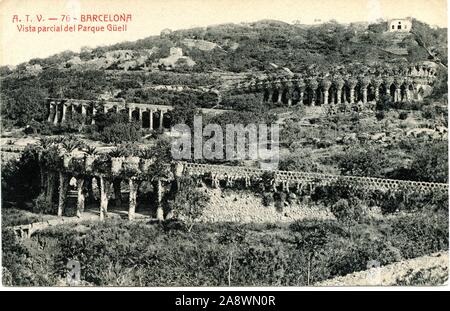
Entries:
{"x":149,"y":17}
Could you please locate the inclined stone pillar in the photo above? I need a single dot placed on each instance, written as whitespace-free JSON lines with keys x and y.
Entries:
{"x":55,"y":119}
{"x":377,"y":92}
{"x":352,"y":84}
{"x":104,"y":189}
{"x":325,"y":97}
{"x":313,"y":86}
{"x":352,"y":95}
{"x":280,"y":95}
{"x":83,"y":110}
{"x":161,"y":116}
{"x":301,"y":96}
{"x":301,"y":90}
{"x":326,"y":86}
{"x":338,"y":95}
{"x":398,"y":93}
{"x":339,"y":86}
{"x":94,"y":112}
{"x":83,"y":113}
{"x":63,"y":185}
{"x":159,"y":209}
{"x":133,"y":192}
{"x":64,"y":111}
{"x":50,"y":109}
{"x":80,"y":196}
{"x":364,"y":86}
{"x":151,"y":118}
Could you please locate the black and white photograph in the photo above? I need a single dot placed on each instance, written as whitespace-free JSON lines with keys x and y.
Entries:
{"x":224,"y":144}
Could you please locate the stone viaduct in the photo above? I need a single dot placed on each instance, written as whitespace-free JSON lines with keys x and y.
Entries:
{"x":402,"y":85}
{"x":149,"y":116}
{"x":111,"y":173}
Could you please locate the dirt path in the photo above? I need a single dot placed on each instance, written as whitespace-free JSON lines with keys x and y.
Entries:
{"x":430,"y":270}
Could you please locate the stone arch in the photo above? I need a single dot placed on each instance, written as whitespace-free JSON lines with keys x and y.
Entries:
{"x":286,"y":94}
{"x":345,"y":94}
{"x":275,"y":93}
{"x":332,"y":94}
{"x":295,"y":96}
{"x":112,"y":109}
{"x":403,"y":92}
{"x":371,"y":92}
{"x":308,"y":96}
{"x":266,"y":95}
{"x":167,"y":120}
{"x":382,"y":89}
{"x":358,"y":92}
{"x":135,"y":115}
{"x":145,"y":119}
{"x":392,"y":89}
{"x":319,"y":96}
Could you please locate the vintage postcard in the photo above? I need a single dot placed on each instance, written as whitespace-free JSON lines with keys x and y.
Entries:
{"x":224,"y":143}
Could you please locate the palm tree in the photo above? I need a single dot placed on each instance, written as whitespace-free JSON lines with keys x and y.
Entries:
{"x":90,"y":150}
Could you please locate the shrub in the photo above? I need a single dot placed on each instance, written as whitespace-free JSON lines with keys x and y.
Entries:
{"x":345,"y":212}
{"x":403,"y":115}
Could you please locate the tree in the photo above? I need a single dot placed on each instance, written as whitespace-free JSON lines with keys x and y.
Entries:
{"x":431,"y":41}
{"x":430,"y":162}
{"x":189,"y":202}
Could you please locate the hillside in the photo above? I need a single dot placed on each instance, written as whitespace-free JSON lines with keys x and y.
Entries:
{"x":197,"y":63}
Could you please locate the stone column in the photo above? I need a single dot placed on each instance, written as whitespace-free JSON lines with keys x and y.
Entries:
{"x":280,"y":95}
{"x":377,"y":92}
{"x":313,"y":84}
{"x":352,"y":95}
{"x":161,"y":116}
{"x":352,"y":84}
{"x":133,"y":193}
{"x":326,"y":84}
{"x":408,"y":93}
{"x":364,"y":93}
{"x":289,"y":96}
{"x":80,"y":196}
{"x":325,"y":95}
{"x":83,"y":113}
{"x":130,"y":114}
{"x":55,"y":119}
{"x":94,"y":112}
{"x":50,"y":109}
{"x":104,"y":189}
{"x":64,"y":111}
{"x":140,"y":116}
{"x":301,"y":96}
{"x":159,"y":210}
{"x":63,"y":185}
{"x":83,"y":110}
{"x":151,"y":119}
{"x":398,"y":94}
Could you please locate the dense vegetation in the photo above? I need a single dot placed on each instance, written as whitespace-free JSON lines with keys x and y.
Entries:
{"x":121,"y":253}
{"x":240,"y":48}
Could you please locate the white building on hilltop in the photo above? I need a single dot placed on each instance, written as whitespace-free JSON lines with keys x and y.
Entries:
{"x":399,"y":25}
